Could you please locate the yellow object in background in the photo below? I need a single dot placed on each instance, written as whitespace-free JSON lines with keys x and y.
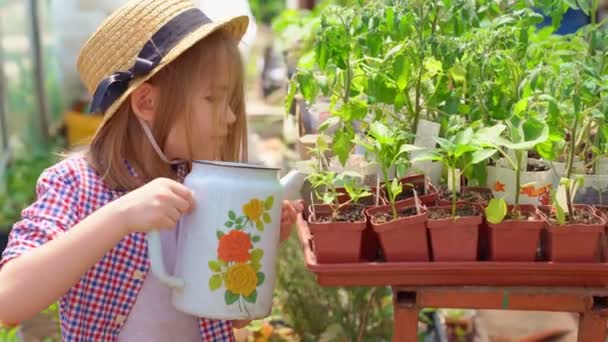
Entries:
{"x":81,"y":127}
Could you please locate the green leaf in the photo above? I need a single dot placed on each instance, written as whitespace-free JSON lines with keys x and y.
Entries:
{"x":342,"y":144}
{"x":219,"y":234}
{"x":215,"y":266}
{"x":322,"y":53}
{"x":231,"y":298}
{"x":445,"y":143}
{"x":331,"y":121}
{"x":291,"y":94}
{"x":428,"y":156}
{"x":215,"y":282}
{"x":256,"y":238}
{"x":559,"y":211}
{"x":481,"y":155}
{"x":240,"y":220}
{"x":256,"y":265}
{"x":406,"y":148}
{"x":267,"y":219}
{"x":396,"y":188}
{"x":432,"y":66}
{"x":462,"y":149}
{"x":464,"y":137}
{"x":401,"y":70}
{"x":229,"y":224}
{"x":533,"y":132}
{"x":257,"y":254}
{"x":358,"y":109}
{"x":253,"y":297}
{"x":232,"y":215}
{"x":261,"y":278}
{"x":490,"y":134}
{"x":496,"y":210}
{"x":259,"y":225}
{"x":458,"y":73}
{"x":308,"y":86}
{"x":268,"y":203}
{"x":520,"y":106}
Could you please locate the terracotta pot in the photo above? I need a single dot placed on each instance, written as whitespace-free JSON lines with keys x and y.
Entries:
{"x":601,"y":210}
{"x":448,"y":201}
{"x":403,"y":239}
{"x":516,"y":240}
{"x":336,"y":242}
{"x":454,"y":239}
{"x":428,"y":199}
{"x":573,"y":242}
{"x":369,"y":243}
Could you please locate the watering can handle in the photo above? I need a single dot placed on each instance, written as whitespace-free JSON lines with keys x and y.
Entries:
{"x":157,"y":264}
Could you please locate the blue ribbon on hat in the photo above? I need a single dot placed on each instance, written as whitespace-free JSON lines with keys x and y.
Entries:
{"x":112,"y":87}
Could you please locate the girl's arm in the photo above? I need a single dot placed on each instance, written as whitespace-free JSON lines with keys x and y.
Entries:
{"x":33,"y":281}
{"x":53,"y":254}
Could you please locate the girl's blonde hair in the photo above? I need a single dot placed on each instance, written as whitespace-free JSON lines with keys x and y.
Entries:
{"x":122,"y":138}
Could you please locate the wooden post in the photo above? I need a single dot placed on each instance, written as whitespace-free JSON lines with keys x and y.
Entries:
{"x":405,"y":316}
{"x":591,"y":327}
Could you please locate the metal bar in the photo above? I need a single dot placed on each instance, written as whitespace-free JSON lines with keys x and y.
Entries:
{"x":3,"y":100}
{"x":39,"y":69}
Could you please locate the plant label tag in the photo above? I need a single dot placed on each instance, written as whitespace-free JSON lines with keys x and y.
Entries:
{"x":425,"y":134}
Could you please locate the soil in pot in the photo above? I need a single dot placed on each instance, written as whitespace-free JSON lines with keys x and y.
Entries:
{"x":535,"y":165}
{"x":387,"y":216}
{"x":603,"y":210}
{"x":444,"y":212}
{"x":517,"y":237}
{"x":467,"y":195}
{"x":576,"y":241}
{"x":338,"y":238}
{"x":353,"y":213}
{"x":585,"y":217}
{"x":454,"y":239}
{"x":403,"y":239}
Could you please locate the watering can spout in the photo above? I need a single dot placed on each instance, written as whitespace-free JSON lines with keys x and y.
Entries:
{"x":292,"y":183}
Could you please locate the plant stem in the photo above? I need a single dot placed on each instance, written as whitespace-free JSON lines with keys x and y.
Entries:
{"x":365,"y":317}
{"x":570,"y":163}
{"x":518,"y":155}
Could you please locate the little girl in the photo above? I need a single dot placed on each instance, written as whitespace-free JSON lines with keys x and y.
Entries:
{"x":169,"y":83}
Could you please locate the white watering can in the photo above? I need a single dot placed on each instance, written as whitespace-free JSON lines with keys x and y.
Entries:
{"x":227,"y":247}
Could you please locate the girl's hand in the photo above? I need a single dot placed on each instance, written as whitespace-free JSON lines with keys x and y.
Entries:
{"x":156,"y":205}
{"x":289,"y":216}
{"x":239,"y":323}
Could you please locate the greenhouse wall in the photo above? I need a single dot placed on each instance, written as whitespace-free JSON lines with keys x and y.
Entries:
{"x":27,"y":119}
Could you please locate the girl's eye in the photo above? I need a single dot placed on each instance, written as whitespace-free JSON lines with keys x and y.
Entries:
{"x":211,"y":99}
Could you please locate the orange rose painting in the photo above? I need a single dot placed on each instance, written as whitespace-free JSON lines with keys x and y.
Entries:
{"x":235,"y":247}
{"x":239,"y":262}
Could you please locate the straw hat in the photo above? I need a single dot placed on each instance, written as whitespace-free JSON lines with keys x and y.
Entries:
{"x":137,"y":41}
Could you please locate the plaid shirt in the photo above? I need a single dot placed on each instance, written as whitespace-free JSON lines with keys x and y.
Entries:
{"x":96,"y":308}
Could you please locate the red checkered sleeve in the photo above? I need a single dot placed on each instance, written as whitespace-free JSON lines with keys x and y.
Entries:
{"x":54,"y":212}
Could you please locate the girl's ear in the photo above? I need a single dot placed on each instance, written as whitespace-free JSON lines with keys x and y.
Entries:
{"x":144,"y":101}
